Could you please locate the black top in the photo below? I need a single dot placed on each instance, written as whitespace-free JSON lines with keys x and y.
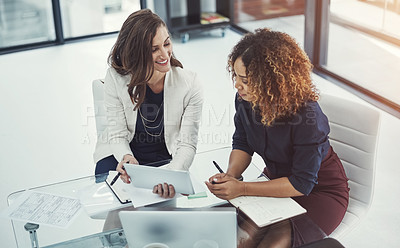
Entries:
{"x":292,"y":147}
{"x":148,"y":144}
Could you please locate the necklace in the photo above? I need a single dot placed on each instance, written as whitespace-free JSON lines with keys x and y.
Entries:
{"x":155,"y":134}
{"x":145,"y":127}
{"x":155,"y":118}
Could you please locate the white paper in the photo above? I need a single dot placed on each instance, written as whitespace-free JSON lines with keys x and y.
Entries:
{"x":197,"y":185}
{"x":141,"y":197}
{"x":44,"y":208}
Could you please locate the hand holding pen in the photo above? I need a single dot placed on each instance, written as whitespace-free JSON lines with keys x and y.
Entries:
{"x":213,"y":181}
{"x":224,"y":185}
{"x":128,"y":159}
{"x":221,"y":171}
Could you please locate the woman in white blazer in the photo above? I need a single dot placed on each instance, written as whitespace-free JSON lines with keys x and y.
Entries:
{"x":153,"y":105}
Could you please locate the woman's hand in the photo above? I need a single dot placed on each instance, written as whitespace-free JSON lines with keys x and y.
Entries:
{"x":225,"y":186}
{"x":164,"y":190}
{"x":127,"y":159}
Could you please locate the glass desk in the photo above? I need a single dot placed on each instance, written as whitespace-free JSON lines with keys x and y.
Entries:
{"x":90,"y":228}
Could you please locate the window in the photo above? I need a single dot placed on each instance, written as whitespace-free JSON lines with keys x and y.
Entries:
{"x":354,"y":43}
{"x":360,"y":48}
{"x":89,"y":17}
{"x":25,"y":22}
{"x":359,"y":56}
{"x":280,"y":15}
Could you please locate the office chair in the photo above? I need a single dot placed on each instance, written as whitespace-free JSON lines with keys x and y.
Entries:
{"x":354,"y":137}
{"x":324,"y":243}
{"x":99,"y":108}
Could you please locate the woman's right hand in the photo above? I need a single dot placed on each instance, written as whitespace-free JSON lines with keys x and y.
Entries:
{"x":225,"y":186}
{"x":127,"y":159}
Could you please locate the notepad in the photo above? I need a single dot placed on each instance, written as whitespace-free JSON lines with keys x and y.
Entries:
{"x":264,"y":211}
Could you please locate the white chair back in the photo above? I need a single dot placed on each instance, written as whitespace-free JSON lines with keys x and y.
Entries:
{"x":99,"y":108}
{"x":354,"y":137}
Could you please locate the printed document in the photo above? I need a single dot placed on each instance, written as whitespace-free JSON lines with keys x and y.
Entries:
{"x":43,"y":208}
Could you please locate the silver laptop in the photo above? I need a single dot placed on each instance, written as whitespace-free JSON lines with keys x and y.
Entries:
{"x":180,"y":227}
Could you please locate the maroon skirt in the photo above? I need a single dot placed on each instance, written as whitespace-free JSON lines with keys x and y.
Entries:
{"x":327,"y":202}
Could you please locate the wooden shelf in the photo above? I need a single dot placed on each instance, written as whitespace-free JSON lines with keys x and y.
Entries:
{"x":192,"y":22}
{"x":180,"y":24}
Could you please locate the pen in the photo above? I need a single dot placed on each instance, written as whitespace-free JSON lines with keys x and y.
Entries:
{"x":221,"y":171}
{"x":219,"y":168}
{"x":116,"y":177}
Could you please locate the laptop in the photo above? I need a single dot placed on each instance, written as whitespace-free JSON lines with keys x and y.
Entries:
{"x":180,"y":227}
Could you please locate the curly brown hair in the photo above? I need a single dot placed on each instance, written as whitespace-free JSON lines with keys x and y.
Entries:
{"x":278,"y":73}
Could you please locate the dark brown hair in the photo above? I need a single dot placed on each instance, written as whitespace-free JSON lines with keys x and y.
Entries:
{"x":278,"y":73}
{"x":132,"y":52}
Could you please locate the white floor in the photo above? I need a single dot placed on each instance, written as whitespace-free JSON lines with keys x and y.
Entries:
{"x":47,"y":128}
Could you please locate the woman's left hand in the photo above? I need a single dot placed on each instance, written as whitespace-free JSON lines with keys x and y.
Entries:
{"x":164,"y":190}
{"x":225,"y":186}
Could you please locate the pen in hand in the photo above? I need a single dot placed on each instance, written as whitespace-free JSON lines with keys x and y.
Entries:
{"x":116,"y":177}
{"x":221,"y":171}
{"x":219,"y":168}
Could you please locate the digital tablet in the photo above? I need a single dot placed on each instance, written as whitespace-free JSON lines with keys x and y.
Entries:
{"x":118,"y":188}
{"x":147,"y":177}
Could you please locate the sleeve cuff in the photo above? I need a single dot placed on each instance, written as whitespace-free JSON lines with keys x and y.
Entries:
{"x":303,"y":187}
{"x":243,"y":148}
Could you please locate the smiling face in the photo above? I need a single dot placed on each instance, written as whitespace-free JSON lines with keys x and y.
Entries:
{"x":162,"y":50}
{"x":241,"y":81}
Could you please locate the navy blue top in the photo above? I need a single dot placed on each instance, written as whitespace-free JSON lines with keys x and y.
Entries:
{"x":148,"y":144}
{"x":292,"y":147}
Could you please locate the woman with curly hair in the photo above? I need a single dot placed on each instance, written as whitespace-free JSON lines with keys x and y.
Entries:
{"x":278,"y":117}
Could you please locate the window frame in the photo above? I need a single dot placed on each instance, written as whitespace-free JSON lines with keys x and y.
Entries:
{"x":59,"y":39}
{"x":316,"y":46}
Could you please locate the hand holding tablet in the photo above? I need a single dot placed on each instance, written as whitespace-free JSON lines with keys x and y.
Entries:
{"x":164,"y":190}
{"x":147,"y":177}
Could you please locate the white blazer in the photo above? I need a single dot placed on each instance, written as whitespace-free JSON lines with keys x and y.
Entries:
{"x":183,"y":101}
